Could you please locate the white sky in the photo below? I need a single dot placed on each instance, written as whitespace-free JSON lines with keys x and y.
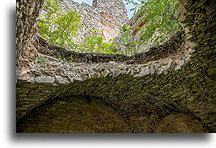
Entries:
{"x":127,"y":6}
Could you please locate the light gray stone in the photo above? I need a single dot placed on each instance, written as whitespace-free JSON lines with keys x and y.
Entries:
{"x":44,"y":79}
{"x":61,"y":79}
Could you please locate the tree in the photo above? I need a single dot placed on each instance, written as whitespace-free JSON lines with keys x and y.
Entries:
{"x":126,"y":41}
{"x":158,"y":16}
{"x":96,"y":43}
{"x":58,"y":27}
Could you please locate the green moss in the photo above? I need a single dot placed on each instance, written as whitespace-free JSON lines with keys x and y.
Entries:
{"x":211,"y":71}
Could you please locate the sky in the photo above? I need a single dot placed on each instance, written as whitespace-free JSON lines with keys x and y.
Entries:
{"x":130,"y":14}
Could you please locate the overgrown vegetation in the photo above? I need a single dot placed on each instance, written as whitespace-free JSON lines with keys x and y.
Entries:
{"x":158,"y":19}
{"x":59,"y":27}
{"x":41,"y":59}
{"x":128,"y":43}
{"x":96,"y":43}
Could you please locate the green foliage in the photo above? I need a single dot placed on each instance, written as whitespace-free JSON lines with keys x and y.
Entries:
{"x":41,"y":59}
{"x":71,"y":62}
{"x":59,"y":27}
{"x":96,"y":43}
{"x":158,"y":16}
{"x":126,"y":41}
{"x":60,"y":59}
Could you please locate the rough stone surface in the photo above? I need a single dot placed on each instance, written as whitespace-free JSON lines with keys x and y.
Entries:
{"x":104,"y":15}
{"x":147,"y":94}
{"x":179,"y":123}
{"x":27,"y":12}
{"x":92,"y":65}
{"x":78,"y":115}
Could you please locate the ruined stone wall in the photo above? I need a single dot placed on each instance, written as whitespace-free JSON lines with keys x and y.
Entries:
{"x":27,"y":12}
{"x":92,"y":65}
{"x":174,"y":92}
{"x":75,"y":115}
{"x":105,"y":15}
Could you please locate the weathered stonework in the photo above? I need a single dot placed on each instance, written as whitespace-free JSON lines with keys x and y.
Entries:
{"x":92,"y":117}
{"x":168,"y":91}
{"x":104,"y":15}
{"x":27,"y":12}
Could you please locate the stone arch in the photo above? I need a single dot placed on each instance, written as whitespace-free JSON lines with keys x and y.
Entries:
{"x":75,"y":115}
{"x":144,"y":96}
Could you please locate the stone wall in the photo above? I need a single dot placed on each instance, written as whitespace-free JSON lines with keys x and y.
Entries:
{"x":75,"y":115}
{"x":92,"y":65}
{"x":164,"y":92}
{"x":104,"y":15}
{"x":27,"y":12}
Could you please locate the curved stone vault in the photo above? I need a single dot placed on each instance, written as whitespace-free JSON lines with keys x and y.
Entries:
{"x":171,"y":88}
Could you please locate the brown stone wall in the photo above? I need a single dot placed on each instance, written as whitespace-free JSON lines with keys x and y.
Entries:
{"x":74,"y":115}
{"x":27,"y":12}
{"x":106,"y":15}
{"x":147,"y":102}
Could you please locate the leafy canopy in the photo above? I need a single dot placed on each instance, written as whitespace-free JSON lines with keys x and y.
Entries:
{"x":126,"y":40}
{"x":96,"y":43}
{"x":58,"y":27}
{"x":158,"y":16}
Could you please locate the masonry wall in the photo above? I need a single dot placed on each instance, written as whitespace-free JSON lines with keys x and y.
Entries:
{"x":152,"y":102}
{"x":74,"y":115}
{"x":107,"y":16}
{"x":27,"y":12}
